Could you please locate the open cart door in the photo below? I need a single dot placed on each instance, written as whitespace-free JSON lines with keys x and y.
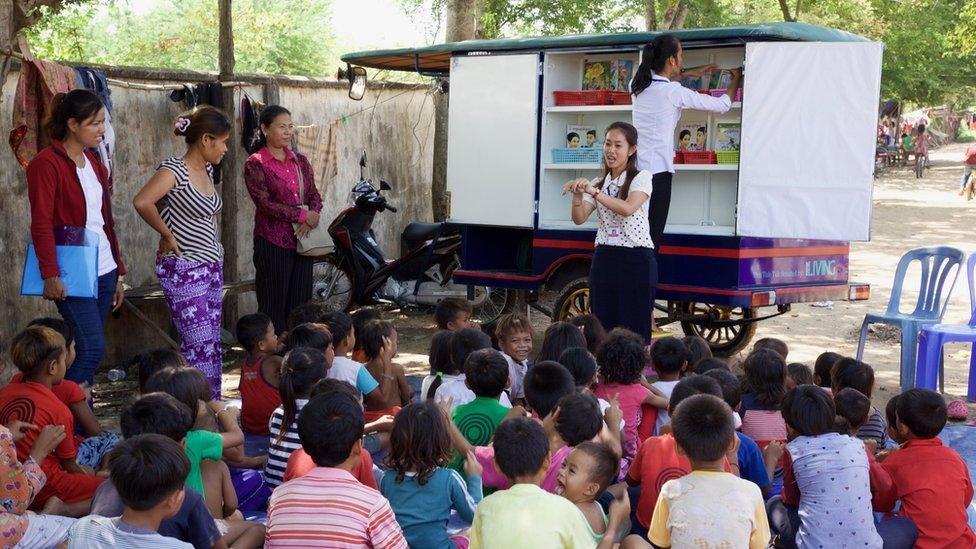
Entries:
{"x":809,"y":123}
{"x":492,"y":127}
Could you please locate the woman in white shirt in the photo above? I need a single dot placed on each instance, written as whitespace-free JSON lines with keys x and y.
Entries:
{"x":658,"y":99}
{"x":623,"y":274}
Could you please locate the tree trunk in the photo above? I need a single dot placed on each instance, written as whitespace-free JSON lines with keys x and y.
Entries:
{"x":230,"y":182}
{"x":786,"y":10}
{"x":225,"y":52}
{"x":669,"y":14}
{"x":679,"y":19}
{"x":650,"y":15}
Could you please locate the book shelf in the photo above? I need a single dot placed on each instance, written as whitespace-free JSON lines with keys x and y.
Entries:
{"x":703,"y":196}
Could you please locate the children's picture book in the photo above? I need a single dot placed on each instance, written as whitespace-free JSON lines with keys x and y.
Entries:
{"x":727,"y":136}
{"x":622,"y":71}
{"x":692,"y":83}
{"x":598,"y":75}
{"x":581,"y":137}
{"x":720,"y":80}
{"x":692,"y":136}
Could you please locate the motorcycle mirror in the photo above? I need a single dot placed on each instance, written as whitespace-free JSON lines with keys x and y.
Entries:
{"x":362,"y":159}
{"x":357,"y":81}
{"x":384,"y":186}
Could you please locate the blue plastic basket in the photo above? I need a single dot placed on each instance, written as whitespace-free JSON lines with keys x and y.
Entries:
{"x":578,"y":156}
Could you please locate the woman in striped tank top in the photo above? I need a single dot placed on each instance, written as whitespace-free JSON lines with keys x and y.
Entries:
{"x":181,"y":203}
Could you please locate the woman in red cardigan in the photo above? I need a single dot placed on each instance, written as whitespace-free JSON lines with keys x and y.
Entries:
{"x":282,"y":278}
{"x":68,"y":186}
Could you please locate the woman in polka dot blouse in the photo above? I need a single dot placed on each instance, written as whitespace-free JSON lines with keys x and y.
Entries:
{"x":623,"y":274}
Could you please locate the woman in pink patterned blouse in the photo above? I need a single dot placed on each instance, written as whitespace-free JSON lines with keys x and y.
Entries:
{"x":282,"y":278}
{"x":20,"y":483}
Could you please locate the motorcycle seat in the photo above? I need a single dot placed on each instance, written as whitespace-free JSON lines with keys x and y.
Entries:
{"x":416,"y":232}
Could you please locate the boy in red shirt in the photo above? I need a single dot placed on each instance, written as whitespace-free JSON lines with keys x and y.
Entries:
{"x":930,"y":479}
{"x":260,"y":373}
{"x":658,"y":460}
{"x":40,"y":355}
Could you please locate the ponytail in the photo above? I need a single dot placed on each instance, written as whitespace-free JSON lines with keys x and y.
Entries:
{"x":655,"y":56}
{"x":301,"y":369}
{"x":440,"y":360}
{"x":630,"y":134}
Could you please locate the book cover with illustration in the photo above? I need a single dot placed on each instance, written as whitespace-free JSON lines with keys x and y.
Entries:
{"x":720,"y":80}
{"x":727,"y":136}
{"x":597,"y":75}
{"x":622,"y":72}
{"x":581,"y":137}
{"x":691,"y":137}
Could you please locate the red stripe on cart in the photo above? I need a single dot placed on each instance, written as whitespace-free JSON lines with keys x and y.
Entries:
{"x":563,"y":244}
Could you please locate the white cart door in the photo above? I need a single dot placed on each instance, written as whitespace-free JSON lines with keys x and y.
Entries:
{"x":491,"y":154}
{"x":809,"y":122}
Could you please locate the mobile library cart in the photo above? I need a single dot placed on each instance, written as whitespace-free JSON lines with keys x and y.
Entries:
{"x":762,"y":209}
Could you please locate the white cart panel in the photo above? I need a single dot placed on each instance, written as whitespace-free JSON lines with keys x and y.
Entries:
{"x":491,"y":155}
{"x":808,"y":140}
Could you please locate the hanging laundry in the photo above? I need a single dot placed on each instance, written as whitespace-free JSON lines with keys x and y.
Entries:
{"x":106,"y":149}
{"x":250,"y":123}
{"x":38,"y":83}
{"x":95,"y":80}
{"x":187,"y":95}
{"x":320,"y":145}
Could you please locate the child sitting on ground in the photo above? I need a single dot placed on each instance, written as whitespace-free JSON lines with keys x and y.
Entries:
{"x":821,"y":368}
{"x":670,"y":359}
{"x":421,"y":490}
{"x":359,"y":320}
{"x":486,"y":374}
{"x":751,"y":464}
{"x":149,"y":472}
{"x":22,"y":481}
{"x":453,"y":314}
{"x":848,"y":372}
{"x":514,"y":334}
{"x":587,"y":472}
{"x":593,"y":331}
{"x":559,"y":336}
{"x":526,"y":515}
{"x":306,"y":313}
{"x":708,"y":364}
{"x":773,"y":344}
{"x":582,"y":365}
{"x":798,"y":374}
{"x":260,"y":372}
{"x":163,"y":414}
{"x":827,"y":488}
{"x":658,"y":459}
{"x":698,"y":350}
{"x":150,"y":362}
{"x":343,"y":339}
{"x":762,"y":419}
{"x":302,"y":368}
{"x":622,"y":358}
{"x":931,"y":480}
{"x":209,"y":474}
{"x":40,"y":355}
{"x":709,"y":507}
{"x":453,"y":387}
{"x":852,"y":410}
{"x":440,"y":363}
{"x":379,"y":341}
{"x":327,"y":507}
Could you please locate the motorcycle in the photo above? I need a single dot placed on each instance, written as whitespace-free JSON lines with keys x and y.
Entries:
{"x":358,"y":273}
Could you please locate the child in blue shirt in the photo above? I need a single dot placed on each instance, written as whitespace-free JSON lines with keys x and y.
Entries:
{"x":421,"y":489}
{"x":752,"y":466}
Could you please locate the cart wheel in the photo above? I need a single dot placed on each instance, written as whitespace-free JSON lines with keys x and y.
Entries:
{"x":573,"y":300}
{"x":724,"y":341}
{"x":331,"y":285}
{"x":497,"y":302}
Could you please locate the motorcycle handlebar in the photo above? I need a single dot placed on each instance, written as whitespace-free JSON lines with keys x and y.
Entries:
{"x":391,"y":208}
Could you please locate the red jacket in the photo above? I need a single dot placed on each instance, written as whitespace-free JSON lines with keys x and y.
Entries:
{"x":57,"y":198}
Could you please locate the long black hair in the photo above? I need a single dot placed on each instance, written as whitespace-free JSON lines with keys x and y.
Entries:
{"x":630,"y":135}
{"x":656,"y":54}
{"x":79,"y":104}
{"x":268,"y":115}
{"x":301,"y":370}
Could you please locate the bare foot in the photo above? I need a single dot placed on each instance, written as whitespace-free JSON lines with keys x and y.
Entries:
{"x":54,"y":506}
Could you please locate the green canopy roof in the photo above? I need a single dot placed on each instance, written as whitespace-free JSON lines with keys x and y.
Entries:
{"x":437,"y":58}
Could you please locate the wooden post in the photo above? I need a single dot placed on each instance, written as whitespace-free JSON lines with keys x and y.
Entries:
{"x":231,"y":170}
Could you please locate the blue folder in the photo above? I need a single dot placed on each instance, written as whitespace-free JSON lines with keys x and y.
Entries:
{"x":77,"y":252}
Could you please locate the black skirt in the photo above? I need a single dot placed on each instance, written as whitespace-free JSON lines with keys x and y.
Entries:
{"x":623,"y":282}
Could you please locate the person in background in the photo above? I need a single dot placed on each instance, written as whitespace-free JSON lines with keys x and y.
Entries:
{"x":821,"y":368}
{"x":155,"y":360}
{"x":559,"y":336}
{"x":514,"y":334}
{"x":453,"y":314}
{"x":773,"y":344}
{"x":969,"y":173}
{"x":750,"y":461}
{"x":851,"y":373}
{"x":798,"y":374}
{"x":593,"y":331}
{"x":283,"y":214}
{"x":260,"y":372}
{"x":190,"y":260}
{"x":670,"y":359}
{"x":69,"y":187}
{"x":440,"y":363}
{"x":921,"y":149}
{"x":359,"y":320}
{"x":380,"y":344}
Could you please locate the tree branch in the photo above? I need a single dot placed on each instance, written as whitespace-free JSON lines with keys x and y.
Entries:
{"x":786,"y":10}
{"x":650,"y":15}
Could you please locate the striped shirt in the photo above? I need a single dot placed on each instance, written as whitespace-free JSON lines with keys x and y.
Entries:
{"x":876,"y":428}
{"x":763,"y":423}
{"x":280,"y":451}
{"x":191,"y":215}
{"x":328,"y":507}
{"x":95,"y":532}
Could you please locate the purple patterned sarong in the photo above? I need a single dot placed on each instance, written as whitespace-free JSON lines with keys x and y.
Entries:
{"x":194,"y":295}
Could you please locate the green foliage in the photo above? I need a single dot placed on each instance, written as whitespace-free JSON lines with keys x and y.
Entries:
{"x":966,"y":135}
{"x":280,"y":37}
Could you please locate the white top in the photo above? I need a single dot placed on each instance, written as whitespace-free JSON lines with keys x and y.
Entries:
{"x":632,"y":231}
{"x":663,"y":418}
{"x":516,"y":376}
{"x":100,"y":532}
{"x":453,"y":388}
{"x":94,"y":221}
{"x":657,"y":110}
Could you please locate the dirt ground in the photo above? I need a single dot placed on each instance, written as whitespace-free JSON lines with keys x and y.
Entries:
{"x":908,"y":213}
